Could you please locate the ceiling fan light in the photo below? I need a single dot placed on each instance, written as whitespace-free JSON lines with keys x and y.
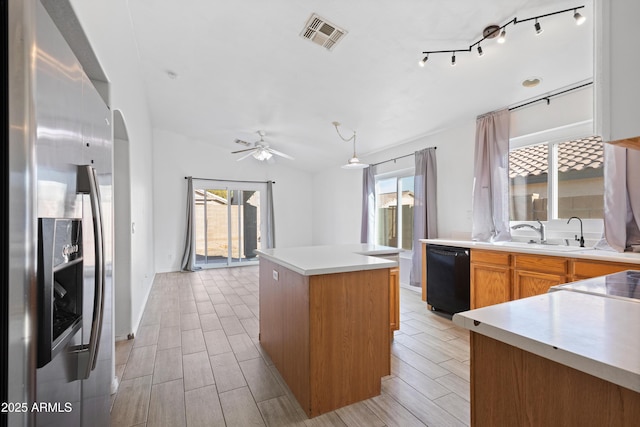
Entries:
{"x":579,"y":18}
{"x":262,"y":155}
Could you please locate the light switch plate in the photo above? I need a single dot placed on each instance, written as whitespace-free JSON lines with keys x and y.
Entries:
{"x":275,"y":275}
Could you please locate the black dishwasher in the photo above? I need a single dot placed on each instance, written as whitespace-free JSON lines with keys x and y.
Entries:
{"x":448,"y":278}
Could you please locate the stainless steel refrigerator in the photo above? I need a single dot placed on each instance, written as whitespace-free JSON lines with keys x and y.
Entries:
{"x":56,"y":293}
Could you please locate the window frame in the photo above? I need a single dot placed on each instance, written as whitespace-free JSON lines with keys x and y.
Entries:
{"x":209,"y":184}
{"x":552,"y":137}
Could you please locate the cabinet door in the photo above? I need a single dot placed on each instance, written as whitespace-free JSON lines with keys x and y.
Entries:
{"x":586,"y":269}
{"x":490,"y":284}
{"x":394,"y":299}
{"x":271,"y":315}
{"x":529,"y":283}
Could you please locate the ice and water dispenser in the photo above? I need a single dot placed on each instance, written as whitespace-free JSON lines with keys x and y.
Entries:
{"x":60,"y":278}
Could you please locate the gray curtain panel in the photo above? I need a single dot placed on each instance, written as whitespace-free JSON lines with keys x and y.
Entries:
{"x":189,"y":257}
{"x":490,"y":203}
{"x":368,"y":204}
{"x":271,"y":226}
{"x":621,"y":197}
{"x":425,"y":221}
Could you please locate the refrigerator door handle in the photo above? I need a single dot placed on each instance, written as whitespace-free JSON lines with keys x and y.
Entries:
{"x":88,"y":353}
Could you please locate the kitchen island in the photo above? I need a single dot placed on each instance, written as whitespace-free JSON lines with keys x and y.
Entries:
{"x":324,"y":321}
{"x":568,"y":357}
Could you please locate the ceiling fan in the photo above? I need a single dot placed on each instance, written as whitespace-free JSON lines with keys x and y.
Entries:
{"x":260,"y":150}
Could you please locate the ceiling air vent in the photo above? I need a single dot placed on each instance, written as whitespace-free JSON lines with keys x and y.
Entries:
{"x":321,"y":32}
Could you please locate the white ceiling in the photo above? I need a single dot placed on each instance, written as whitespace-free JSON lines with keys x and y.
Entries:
{"x":242,"y":66}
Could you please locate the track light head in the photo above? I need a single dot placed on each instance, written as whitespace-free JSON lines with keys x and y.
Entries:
{"x":480,"y":52}
{"x":423,"y":61}
{"x":538,"y":28}
{"x":578,"y":17}
{"x":502,"y":37}
{"x":453,"y":59}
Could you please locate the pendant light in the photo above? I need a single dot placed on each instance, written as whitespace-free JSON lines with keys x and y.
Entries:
{"x":353,"y":162}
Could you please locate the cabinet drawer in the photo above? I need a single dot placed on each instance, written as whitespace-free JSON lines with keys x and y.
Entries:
{"x":588,"y":269}
{"x":544,"y":264}
{"x":491,"y":257}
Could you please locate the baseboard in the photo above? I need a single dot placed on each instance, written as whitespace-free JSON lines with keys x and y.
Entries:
{"x":115,"y":384}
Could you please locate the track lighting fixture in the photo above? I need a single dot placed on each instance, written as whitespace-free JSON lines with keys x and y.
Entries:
{"x":579,"y":18}
{"x":502,"y":37}
{"x":538,"y":27}
{"x":500,"y":33}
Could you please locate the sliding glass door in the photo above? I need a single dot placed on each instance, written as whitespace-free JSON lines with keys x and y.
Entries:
{"x":394,"y":211}
{"x":228,"y":226}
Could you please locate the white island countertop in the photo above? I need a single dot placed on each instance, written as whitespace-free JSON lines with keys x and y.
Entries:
{"x":593,"y":334}
{"x":546,"y":249}
{"x":314,"y":260}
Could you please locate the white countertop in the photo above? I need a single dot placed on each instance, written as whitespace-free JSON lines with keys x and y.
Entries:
{"x":593,"y":334}
{"x":314,"y":260}
{"x":623,"y":285}
{"x":538,"y":249}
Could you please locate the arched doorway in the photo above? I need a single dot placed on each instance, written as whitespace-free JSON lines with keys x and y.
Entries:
{"x":122,"y":229}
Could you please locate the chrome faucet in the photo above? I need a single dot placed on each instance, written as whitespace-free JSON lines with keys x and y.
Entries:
{"x":581,"y":239}
{"x":541,"y":230}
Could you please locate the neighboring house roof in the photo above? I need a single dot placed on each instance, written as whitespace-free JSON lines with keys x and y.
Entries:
{"x":387,"y":200}
{"x":572,"y":156}
{"x":199,"y":197}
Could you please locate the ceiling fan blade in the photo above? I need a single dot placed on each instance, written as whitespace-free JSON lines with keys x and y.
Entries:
{"x":242,"y":151}
{"x":246,"y":155}
{"x":278,"y":153}
{"x":241,"y":142}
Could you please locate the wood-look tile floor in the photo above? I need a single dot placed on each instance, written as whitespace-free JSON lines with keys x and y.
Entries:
{"x":197,"y":361}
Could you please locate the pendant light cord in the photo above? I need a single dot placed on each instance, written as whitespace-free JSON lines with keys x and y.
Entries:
{"x":353,"y":137}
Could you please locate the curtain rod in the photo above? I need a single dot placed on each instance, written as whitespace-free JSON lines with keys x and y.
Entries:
{"x":397,"y":158}
{"x":548,"y":97}
{"x":230,"y":180}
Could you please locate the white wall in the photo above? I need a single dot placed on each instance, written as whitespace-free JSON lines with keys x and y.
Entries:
{"x":106,"y":26}
{"x":339,"y":221}
{"x":122,"y":238}
{"x":176,"y":156}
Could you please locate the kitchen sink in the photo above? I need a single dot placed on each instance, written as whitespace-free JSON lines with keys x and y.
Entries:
{"x":540,"y":246}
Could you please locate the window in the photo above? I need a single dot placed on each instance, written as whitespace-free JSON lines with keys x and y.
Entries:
{"x":394,"y":211}
{"x":557,"y":180}
{"x":227,"y":225}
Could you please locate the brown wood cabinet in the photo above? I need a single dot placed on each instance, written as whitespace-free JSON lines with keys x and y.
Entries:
{"x":328,"y":335}
{"x":394,"y":299}
{"x":530,"y":283}
{"x":535,"y":274}
{"x":586,"y":269}
{"x":498,"y":276}
{"x":490,"y":278}
{"x":512,"y":387}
